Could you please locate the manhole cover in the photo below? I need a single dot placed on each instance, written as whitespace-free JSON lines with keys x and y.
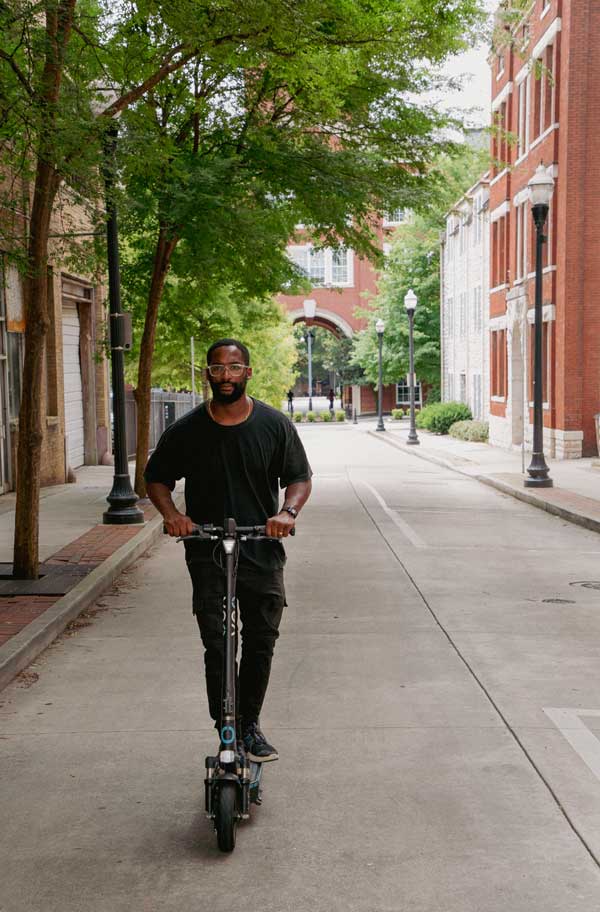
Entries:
{"x":587,"y":584}
{"x":558,"y":601}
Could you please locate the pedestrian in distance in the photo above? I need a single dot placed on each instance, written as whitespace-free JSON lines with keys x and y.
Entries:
{"x":234,"y":452}
{"x":331,"y":399}
{"x":290,"y":399}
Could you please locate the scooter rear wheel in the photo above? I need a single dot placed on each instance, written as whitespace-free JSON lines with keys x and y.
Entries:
{"x":226,"y":816}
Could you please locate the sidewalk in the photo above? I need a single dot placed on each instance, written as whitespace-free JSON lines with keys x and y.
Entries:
{"x":574,"y":497}
{"x":80,"y":558}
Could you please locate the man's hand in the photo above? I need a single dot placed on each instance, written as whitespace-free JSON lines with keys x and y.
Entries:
{"x":177,"y":524}
{"x":280,"y":526}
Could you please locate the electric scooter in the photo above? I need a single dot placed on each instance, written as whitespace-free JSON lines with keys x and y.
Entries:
{"x":232,"y":781}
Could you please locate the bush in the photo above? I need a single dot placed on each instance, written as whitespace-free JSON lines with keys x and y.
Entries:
{"x":311,"y":416}
{"x":440,"y":416}
{"x":340,"y":415}
{"x":475,"y":431}
{"x":297,"y":417}
{"x":398,"y":414}
{"x":325,"y":416}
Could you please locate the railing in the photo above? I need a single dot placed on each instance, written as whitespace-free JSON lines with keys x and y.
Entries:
{"x":165,"y":408}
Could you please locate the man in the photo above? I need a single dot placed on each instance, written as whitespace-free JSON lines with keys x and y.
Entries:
{"x":233,"y":452}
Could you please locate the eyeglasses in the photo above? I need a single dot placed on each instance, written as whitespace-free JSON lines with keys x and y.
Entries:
{"x":218,"y":370}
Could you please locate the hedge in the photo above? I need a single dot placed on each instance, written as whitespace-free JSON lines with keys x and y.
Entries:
{"x":475,"y":431}
{"x":440,"y":416}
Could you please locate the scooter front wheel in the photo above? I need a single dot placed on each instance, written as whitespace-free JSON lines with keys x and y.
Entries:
{"x":226,"y":815}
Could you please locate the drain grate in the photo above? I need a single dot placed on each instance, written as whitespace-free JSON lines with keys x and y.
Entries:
{"x":587,"y":584}
{"x":559,"y":601}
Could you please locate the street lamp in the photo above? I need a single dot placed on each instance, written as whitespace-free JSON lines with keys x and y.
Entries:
{"x":122,"y":498}
{"x":541,"y":187}
{"x":379,"y":328}
{"x":310,"y":309}
{"x":410,"y":305}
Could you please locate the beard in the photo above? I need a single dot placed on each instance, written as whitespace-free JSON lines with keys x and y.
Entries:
{"x":238,"y":390}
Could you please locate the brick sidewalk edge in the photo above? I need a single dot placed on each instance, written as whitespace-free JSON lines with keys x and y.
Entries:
{"x":25,"y":646}
{"x":535,"y":500}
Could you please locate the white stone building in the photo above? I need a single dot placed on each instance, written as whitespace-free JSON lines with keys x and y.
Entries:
{"x":464,"y":304}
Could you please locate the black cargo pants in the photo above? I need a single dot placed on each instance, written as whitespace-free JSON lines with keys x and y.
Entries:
{"x":261,"y":598}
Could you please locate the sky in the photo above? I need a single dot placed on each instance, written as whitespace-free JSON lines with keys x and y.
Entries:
{"x":477,"y":86}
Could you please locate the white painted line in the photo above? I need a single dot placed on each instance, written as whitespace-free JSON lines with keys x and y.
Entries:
{"x":579,"y":736}
{"x":404,"y":527}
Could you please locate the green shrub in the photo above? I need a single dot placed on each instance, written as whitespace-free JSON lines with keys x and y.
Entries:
{"x":340,"y":415}
{"x":311,"y":416}
{"x":440,"y":416}
{"x":297,"y":417}
{"x":398,"y":414}
{"x":325,"y":416}
{"x":475,"y":431}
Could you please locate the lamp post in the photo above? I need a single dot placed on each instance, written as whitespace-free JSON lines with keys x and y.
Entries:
{"x":310,"y":309}
{"x":410,"y":305}
{"x":379,"y":328}
{"x":541,"y":187}
{"x":122,"y":498}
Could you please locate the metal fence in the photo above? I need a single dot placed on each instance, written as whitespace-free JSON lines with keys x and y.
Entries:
{"x":165,"y":409}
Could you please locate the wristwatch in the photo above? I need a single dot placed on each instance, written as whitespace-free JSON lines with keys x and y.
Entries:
{"x":291,"y":510}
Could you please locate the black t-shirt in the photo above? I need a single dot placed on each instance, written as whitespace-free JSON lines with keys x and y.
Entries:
{"x":232,"y":470}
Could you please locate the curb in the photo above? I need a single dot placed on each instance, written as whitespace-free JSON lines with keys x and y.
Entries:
{"x":25,"y":646}
{"x":534,"y":500}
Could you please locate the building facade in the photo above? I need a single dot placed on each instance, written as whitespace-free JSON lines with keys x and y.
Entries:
{"x":546,"y":110}
{"x":342,"y":282}
{"x":464,"y":304}
{"x":76,"y":390}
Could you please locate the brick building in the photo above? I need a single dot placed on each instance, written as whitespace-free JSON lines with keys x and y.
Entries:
{"x":546,"y":94}
{"x":464,"y":301}
{"x":342,"y":282}
{"x":76,"y":390}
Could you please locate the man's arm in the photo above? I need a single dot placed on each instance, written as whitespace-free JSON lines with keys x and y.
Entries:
{"x":296,"y":496}
{"x":175,"y":522}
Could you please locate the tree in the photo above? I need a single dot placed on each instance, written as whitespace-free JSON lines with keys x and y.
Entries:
{"x":307,"y":127}
{"x":414,"y":262}
{"x":53,"y":55}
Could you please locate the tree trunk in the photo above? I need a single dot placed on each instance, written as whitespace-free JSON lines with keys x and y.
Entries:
{"x":31,"y":417}
{"x":59,"y":20}
{"x":165,"y":247}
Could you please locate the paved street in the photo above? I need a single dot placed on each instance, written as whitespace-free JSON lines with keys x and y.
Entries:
{"x":435,"y":700}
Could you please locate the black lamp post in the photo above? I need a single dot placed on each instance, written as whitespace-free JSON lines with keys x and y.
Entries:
{"x":379,"y":327}
{"x":410,"y":305}
{"x":122,"y":498}
{"x":310,"y":309}
{"x":541,"y":187}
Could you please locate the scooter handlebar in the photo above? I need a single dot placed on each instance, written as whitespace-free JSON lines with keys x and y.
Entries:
{"x":208,"y":532}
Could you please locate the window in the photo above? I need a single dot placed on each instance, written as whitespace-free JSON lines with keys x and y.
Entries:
{"x":316,"y":268}
{"x":15,"y":370}
{"x":523,"y":118}
{"x":393,"y":217}
{"x":327,"y":266}
{"x":477,"y":316}
{"x":476,"y":399}
{"x":498,"y":256}
{"x":462,"y":315}
{"x":339,"y":266}
{"x":498,"y":363}
{"x":477,"y":230}
{"x":544,"y":114}
{"x":499,"y":64}
{"x":449,"y":321}
{"x":463,"y":388}
{"x":521,"y":215}
{"x":403,"y":393}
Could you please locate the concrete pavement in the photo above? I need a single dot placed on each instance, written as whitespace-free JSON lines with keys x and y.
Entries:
{"x":434,"y":628}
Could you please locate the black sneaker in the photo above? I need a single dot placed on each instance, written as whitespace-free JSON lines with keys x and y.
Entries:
{"x":257,"y":746}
